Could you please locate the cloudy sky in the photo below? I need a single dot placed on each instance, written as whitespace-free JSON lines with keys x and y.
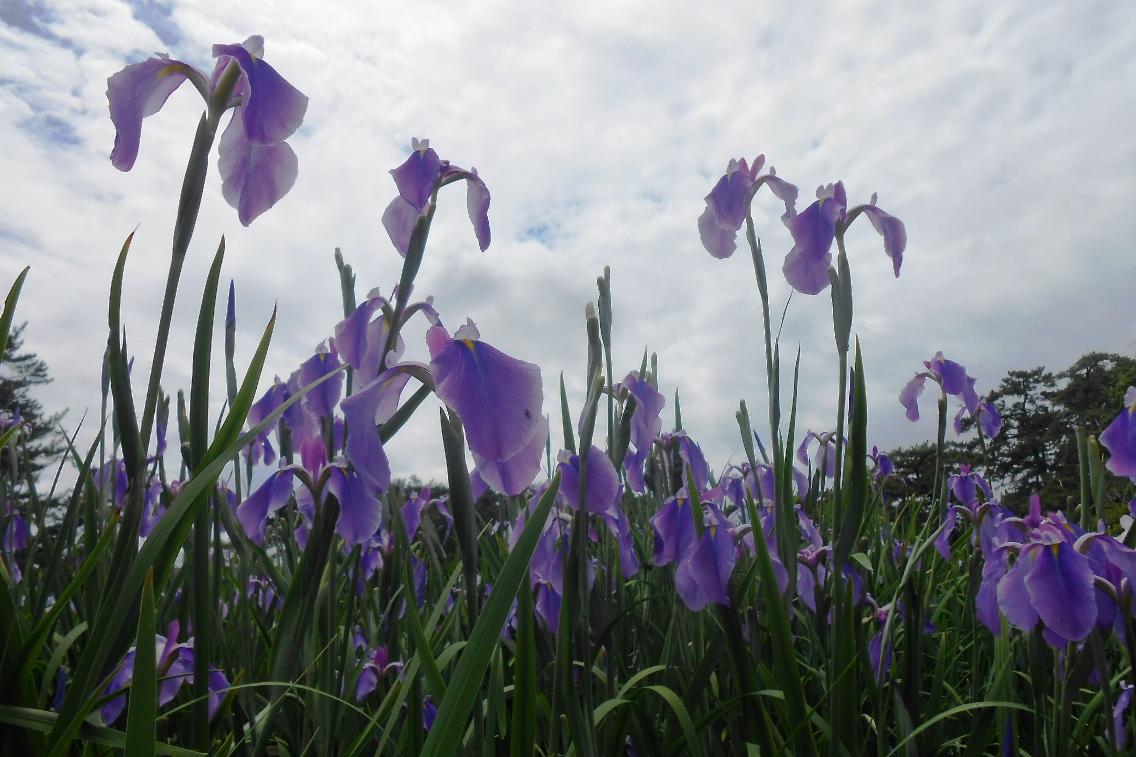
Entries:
{"x":1000,"y":133}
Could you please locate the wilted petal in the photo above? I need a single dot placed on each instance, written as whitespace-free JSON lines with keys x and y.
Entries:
{"x":135,"y":92}
{"x":254,"y":176}
{"x":497,"y":397}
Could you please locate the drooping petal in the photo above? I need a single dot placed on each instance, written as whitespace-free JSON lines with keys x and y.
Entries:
{"x":270,"y":497}
{"x":218,"y":687}
{"x":1120,"y":441}
{"x":477,"y":203}
{"x":323,"y":399}
{"x":497,"y":397}
{"x":135,"y":92}
{"x":807,"y":263}
{"x":909,"y":397}
{"x":703,"y":574}
{"x":1060,"y":585}
{"x":515,"y":473}
{"x":254,"y":175}
{"x":274,"y":108}
{"x":360,"y":514}
{"x":720,"y":241}
{"x":602,"y":480}
{"x":646,"y":422}
{"x":364,"y":447}
{"x":986,"y":600}
{"x":399,"y":220}
{"x":989,"y":420}
{"x":1013,"y":599}
{"x":674,"y":530}
{"x":417,"y":177}
{"x":893,"y":232}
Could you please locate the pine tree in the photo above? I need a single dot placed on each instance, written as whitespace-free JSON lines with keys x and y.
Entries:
{"x":40,"y":441}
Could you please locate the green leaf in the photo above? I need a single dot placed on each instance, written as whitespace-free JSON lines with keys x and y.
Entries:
{"x":10,"y":310}
{"x":453,"y":712}
{"x":142,"y":711}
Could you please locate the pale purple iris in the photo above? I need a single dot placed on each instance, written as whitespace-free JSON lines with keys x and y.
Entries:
{"x":1120,"y":438}
{"x":418,"y":178}
{"x":646,"y":423}
{"x":498,"y":399}
{"x":377,"y":666}
{"x":257,"y":166}
{"x":954,"y":381}
{"x":824,"y":458}
{"x":729,"y":200}
{"x":360,"y":514}
{"x":703,"y":575}
{"x":174,"y":668}
{"x":882,"y":464}
{"x":815,"y":228}
{"x":1050,"y":582}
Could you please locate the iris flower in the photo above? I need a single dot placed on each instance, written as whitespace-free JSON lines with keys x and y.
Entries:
{"x":728,"y":201}
{"x":814,"y":229}
{"x":954,"y":381}
{"x":498,"y":399}
{"x":1120,"y":438}
{"x":257,"y":166}
{"x":418,"y":178}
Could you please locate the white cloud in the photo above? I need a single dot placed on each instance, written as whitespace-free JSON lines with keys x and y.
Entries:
{"x":1001,"y":135}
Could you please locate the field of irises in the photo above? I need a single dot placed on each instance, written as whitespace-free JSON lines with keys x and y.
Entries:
{"x":256,"y":583}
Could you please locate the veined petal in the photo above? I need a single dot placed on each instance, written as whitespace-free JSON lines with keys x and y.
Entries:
{"x":513,"y":474}
{"x":274,"y":109}
{"x":399,"y":219}
{"x":417,"y":177}
{"x":270,"y":497}
{"x":602,"y":481}
{"x":254,"y":176}
{"x":135,"y":92}
{"x":360,"y":514}
{"x":1060,"y":585}
{"x":497,"y":397}
{"x":813,"y":229}
{"x":1120,"y":441}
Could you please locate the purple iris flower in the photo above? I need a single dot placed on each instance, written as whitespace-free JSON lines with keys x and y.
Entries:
{"x":360,"y":514}
{"x":646,"y":423}
{"x":825,"y":456}
{"x":498,"y":399}
{"x":375,"y":668}
{"x":674,"y":529}
{"x":814,"y":229}
{"x":1050,"y":582}
{"x":257,"y":166}
{"x":728,"y":201}
{"x":882,"y":464}
{"x":1120,"y":438}
{"x":703,"y":575}
{"x":418,"y":178}
{"x":965,"y":486}
{"x":602,"y":482}
{"x":175,"y":667}
{"x":954,"y":381}
{"x":322,"y":400}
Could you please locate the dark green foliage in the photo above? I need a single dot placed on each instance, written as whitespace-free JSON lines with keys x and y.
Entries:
{"x":40,"y":440}
{"x":1037,"y":449}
